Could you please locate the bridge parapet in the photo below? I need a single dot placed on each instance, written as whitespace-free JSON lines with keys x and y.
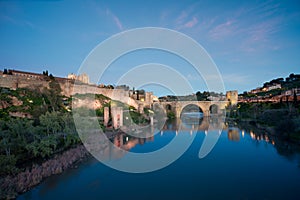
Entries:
{"x":206,"y":106}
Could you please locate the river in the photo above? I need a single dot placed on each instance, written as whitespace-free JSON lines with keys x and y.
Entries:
{"x":242,"y":165}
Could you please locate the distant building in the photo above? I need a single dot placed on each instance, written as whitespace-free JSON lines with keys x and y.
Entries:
{"x":155,"y":99}
{"x":84,"y":78}
{"x":274,"y":86}
{"x":257,"y":90}
{"x":72,"y":76}
{"x":291,"y":92}
{"x":25,"y":74}
{"x":232,"y":96}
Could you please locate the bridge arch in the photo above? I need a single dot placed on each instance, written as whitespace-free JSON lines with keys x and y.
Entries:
{"x":207,"y":107}
{"x":168,"y":107}
{"x":190,"y":107}
{"x":213,"y":109}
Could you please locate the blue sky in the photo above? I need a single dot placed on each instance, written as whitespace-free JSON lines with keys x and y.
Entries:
{"x":250,"y":41}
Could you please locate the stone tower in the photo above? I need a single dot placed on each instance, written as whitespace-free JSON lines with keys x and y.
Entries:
{"x":232,"y":97}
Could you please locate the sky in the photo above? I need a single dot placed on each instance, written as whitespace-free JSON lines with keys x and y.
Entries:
{"x":250,"y":42}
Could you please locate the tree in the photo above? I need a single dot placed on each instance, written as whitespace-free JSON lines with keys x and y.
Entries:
{"x":6,"y":142}
{"x":295,"y":98}
{"x":137,"y":95}
{"x":5,"y":71}
{"x":53,"y":94}
{"x":45,"y":73}
{"x":51,"y":121}
{"x":202,"y":96}
{"x":51,"y":77}
{"x":44,"y":147}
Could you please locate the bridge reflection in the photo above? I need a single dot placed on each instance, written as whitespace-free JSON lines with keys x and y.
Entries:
{"x":115,"y":145}
{"x":203,"y":123}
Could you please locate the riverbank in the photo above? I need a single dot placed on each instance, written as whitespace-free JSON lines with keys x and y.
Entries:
{"x":277,"y":119}
{"x":277,"y":132}
{"x":13,"y":185}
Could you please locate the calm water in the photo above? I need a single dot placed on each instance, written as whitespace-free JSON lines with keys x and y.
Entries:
{"x":242,"y":165}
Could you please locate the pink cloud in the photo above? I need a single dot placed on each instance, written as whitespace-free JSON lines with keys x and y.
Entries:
{"x":222,"y":30}
{"x":115,"y":19}
{"x":191,"y":23}
{"x":187,"y":18}
{"x":181,"y":18}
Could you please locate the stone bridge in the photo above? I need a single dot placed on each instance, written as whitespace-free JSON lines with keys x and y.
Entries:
{"x":206,"y":107}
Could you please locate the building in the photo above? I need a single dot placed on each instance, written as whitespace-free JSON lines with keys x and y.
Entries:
{"x":84,"y":78}
{"x":232,"y":97}
{"x":257,"y":90}
{"x":25,"y":74}
{"x":71,"y":76}
{"x":274,"y":86}
{"x":291,"y":92}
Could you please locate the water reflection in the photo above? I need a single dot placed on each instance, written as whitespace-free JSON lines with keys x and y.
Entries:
{"x":119,"y":144}
{"x":237,"y":161}
{"x":284,"y":147}
{"x":201,"y":124}
{"x":233,"y":134}
{"x":115,"y":145}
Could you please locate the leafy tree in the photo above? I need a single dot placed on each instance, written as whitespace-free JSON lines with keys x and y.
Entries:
{"x":6,"y":142}
{"x":295,"y":98}
{"x":51,"y":77}
{"x":44,"y":147}
{"x":202,"y":96}
{"x":7,"y":164}
{"x":53,"y":95}
{"x":45,"y":73}
{"x":51,"y":121}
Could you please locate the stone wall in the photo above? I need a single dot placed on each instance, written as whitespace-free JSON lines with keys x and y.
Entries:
{"x":14,"y":82}
{"x":68,"y":88}
{"x":232,"y":96}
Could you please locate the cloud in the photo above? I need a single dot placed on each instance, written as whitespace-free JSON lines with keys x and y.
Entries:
{"x":263,"y":22}
{"x":225,"y":29}
{"x":191,"y":23}
{"x":262,"y":31}
{"x":187,"y":18}
{"x":115,"y":19}
{"x":17,"y":22}
{"x":251,"y":28}
{"x":181,"y":18}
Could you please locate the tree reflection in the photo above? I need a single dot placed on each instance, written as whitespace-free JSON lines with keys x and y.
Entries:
{"x":285,"y":147}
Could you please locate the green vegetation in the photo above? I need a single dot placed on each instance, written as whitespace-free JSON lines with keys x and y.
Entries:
{"x":264,"y":94}
{"x":38,"y":123}
{"x":138,"y":118}
{"x":31,"y":102}
{"x":282,"y":118}
{"x":171,"y":115}
{"x":292,"y":81}
{"x":22,"y":141}
{"x":47,"y":128}
{"x":199,"y":96}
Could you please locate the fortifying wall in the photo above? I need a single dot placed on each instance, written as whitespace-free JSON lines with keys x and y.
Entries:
{"x":67,"y":86}
{"x":15,"y":82}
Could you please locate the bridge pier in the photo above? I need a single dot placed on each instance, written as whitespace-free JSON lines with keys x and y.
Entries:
{"x":106,"y":115}
{"x":117,"y":117}
{"x":206,"y":113}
